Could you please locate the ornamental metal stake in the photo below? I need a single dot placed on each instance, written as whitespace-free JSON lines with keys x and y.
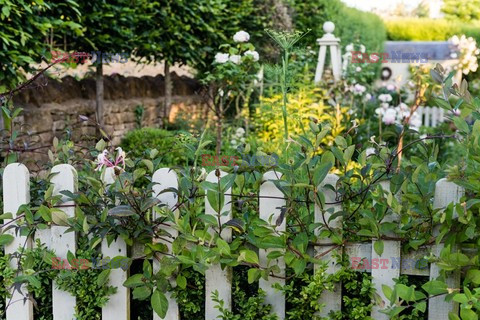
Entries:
{"x":330,"y":40}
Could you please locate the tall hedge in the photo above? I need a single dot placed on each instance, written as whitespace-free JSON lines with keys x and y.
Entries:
{"x":351,"y":24}
{"x":423,"y":29}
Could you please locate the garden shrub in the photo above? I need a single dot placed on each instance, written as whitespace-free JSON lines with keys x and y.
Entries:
{"x":139,"y":141}
{"x":306,"y":102}
{"x":424,"y":29}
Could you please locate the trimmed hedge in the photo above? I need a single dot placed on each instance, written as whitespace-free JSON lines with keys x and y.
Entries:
{"x":424,"y":29}
{"x":351,"y":24}
{"x":137,"y":142}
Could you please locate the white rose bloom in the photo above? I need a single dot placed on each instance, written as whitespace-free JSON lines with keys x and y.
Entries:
{"x":240,"y":132}
{"x":349,"y":47}
{"x":389,"y":117}
{"x":254,"y":54}
{"x":391,"y":87}
{"x":221,"y":57}
{"x":384,"y":105}
{"x":358,"y":69}
{"x":379,"y":111}
{"x":241,"y":36}
{"x":415,"y":121}
{"x":233,"y":142}
{"x":235,"y":58}
{"x":362,"y":48}
{"x":368,"y":96}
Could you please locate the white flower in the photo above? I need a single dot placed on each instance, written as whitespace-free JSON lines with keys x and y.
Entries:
{"x":362,"y":48}
{"x":390,"y":116}
{"x":415,"y":121}
{"x":358,"y":89}
{"x":240,"y":132}
{"x":221,"y":57}
{"x":349,"y":47}
{"x":391,"y":87}
{"x":235,"y":58}
{"x":233,"y":142}
{"x":254,"y":54}
{"x":453,"y":55}
{"x":385,"y":97}
{"x":358,"y":69}
{"x":368,"y":97}
{"x":384,"y":105}
{"x":241,"y":36}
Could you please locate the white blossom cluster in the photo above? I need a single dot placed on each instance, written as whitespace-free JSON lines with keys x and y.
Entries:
{"x":468,"y":50}
{"x":347,"y":57}
{"x":391,"y":115}
{"x":238,"y":138}
{"x":240,"y":36}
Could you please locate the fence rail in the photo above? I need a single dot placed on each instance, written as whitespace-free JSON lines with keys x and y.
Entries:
{"x":16,"y":191}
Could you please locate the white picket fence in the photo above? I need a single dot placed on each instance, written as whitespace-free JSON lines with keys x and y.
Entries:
{"x":16,"y":192}
{"x":431,"y":116}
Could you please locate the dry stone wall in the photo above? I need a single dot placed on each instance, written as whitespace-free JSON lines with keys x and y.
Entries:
{"x":53,"y":108}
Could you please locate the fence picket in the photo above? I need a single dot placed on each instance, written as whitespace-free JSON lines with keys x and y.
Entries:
{"x":65,"y":178}
{"x":331,"y":299}
{"x":270,"y":208}
{"x":164,"y":179}
{"x":217,"y":279}
{"x":118,"y":305}
{"x":384,"y":276}
{"x":445,"y":193}
{"x":16,"y":192}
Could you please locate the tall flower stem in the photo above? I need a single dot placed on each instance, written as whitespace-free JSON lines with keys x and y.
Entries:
{"x":284,"y":93}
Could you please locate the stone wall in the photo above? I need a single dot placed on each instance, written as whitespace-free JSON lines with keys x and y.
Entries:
{"x":54,"y":107}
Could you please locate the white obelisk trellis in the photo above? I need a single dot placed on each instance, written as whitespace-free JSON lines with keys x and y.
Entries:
{"x":329,"y":40}
{"x":270,"y":210}
{"x":165,"y":179}
{"x":16,"y":192}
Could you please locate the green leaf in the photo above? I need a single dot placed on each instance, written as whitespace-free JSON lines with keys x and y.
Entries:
{"x":249,"y":256}
{"x":142,"y":293}
{"x":387,"y":291}
{"x":435,"y":287}
{"x":7,"y":215}
{"x":473,"y":275}
{"x":103,"y":277}
{"x":159,"y":303}
{"x":468,"y":314}
{"x":181,"y":281}
{"x":378,"y":247}
{"x":134,"y":281}
{"x":321,"y":172}
{"x":59,"y":217}
{"x":6,"y":239}
{"x":404,"y":292}
{"x":253,"y":275}
{"x":121,"y":211}
{"x":421,"y":306}
{"x":223,"y":247}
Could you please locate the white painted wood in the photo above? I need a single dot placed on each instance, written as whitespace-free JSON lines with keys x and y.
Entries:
{"x":270,"y":210}
{"x":217,"y":279}
{"x":16,"y":192}
{"x":427,"y":112}
{"x":118,"y":305}
{"x":445,"y":192}
{"x":336,"y":66}
{"x":384,"y":276}
{"x":434,"y":116}
{"x":166,"y":178}
{"x":331,"y":299}
{"x":61,"y":242}
{"x":322,"y":52}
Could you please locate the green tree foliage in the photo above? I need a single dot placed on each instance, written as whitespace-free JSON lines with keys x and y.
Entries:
{"x":464,"y":10}
{"x":351,"y":24}
{"x":24,"y":26}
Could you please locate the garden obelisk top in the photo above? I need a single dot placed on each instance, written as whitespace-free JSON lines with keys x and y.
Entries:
{"x":329,"y":40}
